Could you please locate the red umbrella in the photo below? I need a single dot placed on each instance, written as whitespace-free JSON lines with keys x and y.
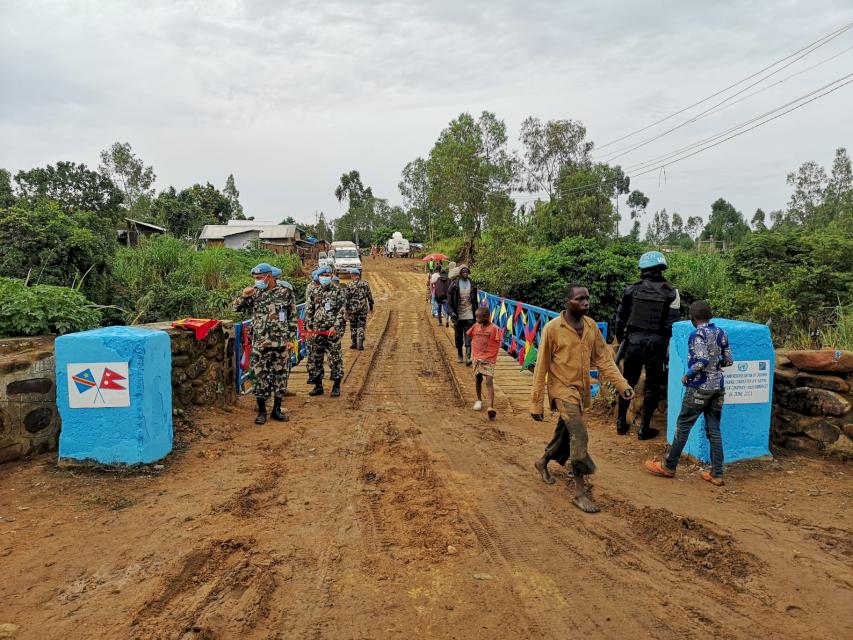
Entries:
{"x":434,"y":256}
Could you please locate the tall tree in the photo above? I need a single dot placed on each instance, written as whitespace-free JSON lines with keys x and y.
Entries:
{"x":129,"y":174}
{"x":809,"y":183}
{"x":233,"y":196}
{"x":470,"y":171}
{"x":415,"y":188}
{"x":694,"y":226}
{"x":7,"y":195}
{"x":725,"y":224}
{"x":352,"y":189}
{"x":759,"y":220}
{"x":637,"y":203}
{"x":659,"y":228}
{"x":72,"y":186}
{"x":550,"y":147}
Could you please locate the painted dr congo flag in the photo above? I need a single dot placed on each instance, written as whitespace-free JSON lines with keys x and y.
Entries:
{"x":98,"y":385}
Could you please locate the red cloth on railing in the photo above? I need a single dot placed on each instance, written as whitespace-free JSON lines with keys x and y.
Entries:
{"x":304,"y":332}
{"x":201,"y":326}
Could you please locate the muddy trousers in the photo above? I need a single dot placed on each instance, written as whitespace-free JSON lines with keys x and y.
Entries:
{"x":270,"y":372}
{"x":460,"y":331}
{"x":699,"y":402}
{"x":644,"y":351}
{"x":571,"y":440}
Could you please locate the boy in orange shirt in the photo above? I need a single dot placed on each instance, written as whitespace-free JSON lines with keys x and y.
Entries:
{"x":485,"y":343}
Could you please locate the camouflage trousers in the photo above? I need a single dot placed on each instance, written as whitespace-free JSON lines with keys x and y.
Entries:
{"x":357,"y":325}
{"x":321,"y":345}
{"x":270,"y":372}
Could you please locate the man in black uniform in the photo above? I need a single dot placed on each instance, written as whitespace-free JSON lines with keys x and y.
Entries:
{"x":644,"y":322}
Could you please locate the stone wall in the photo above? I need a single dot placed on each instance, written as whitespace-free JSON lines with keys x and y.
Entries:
{"x":813,"y":396}
{"x":202,"y":375}
{"x":202,"y":370}
{"x":29,"y":422}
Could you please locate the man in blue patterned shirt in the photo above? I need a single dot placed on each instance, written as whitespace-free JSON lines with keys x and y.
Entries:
{"x":709,"y":352}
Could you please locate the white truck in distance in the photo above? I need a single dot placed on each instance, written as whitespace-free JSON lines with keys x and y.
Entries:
{"x":344,"y":256}
{"x":397,"y":245}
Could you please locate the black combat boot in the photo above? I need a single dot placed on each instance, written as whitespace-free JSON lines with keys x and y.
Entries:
{"x":353,"y":345}
{"x":361,"y":344}
{"x":276,"y":411}
{"x":317,"y":390}
{"x":336,"y":388}
{"x":622,"y":426}
{"x":262,"y":411}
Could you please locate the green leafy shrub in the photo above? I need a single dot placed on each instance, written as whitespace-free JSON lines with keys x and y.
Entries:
{"x":164,"y":278}
{"x":43,"y":309}
{"x":451,"y":247}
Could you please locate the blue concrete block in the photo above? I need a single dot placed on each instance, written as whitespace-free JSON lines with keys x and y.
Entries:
{"x":745,"y":426}
{"x":114,"y":394}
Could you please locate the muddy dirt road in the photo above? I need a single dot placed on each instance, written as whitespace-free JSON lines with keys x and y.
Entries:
{"x":396,"y":511}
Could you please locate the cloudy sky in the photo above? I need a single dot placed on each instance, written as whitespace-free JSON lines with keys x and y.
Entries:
{"x":289,"y":95}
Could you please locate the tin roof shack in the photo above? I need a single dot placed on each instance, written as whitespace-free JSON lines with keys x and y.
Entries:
{"x":135,"y":229}
{"x":278,"y":238}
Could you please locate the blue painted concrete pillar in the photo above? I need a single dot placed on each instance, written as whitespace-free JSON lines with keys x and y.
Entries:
{"x":749,"y":391}
{"x":114,"y":394}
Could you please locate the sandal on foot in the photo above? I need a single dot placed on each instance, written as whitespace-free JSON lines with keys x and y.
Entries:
{"x":492,"y":413}
{"x":656,"y":468}
{"x":714,"y":480}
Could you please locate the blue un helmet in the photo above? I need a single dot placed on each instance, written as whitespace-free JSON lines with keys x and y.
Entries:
{"x":355,"y":272}
{"x":652,"y":259}
{"x":314,"y":275}
{"x":324,"y":269}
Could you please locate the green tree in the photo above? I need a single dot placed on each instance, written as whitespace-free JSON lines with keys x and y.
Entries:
{"x":759,"y":220}
{"x":470,"y":171}
{"x":72,"y":186}
{"x":129,"y":174}
{"x":725,"y":224}
{"x":288,"y":220}
{"x":637,"y":203}
{"x":694,"y":226}
{"x":233,"y":196}
{"x":44,"y":244}
{"x":7,"y":195}
{"x":548,"y":149}
{"x":359,"y":204}
{"x":659,"y":228}
{"x":184,"y":213}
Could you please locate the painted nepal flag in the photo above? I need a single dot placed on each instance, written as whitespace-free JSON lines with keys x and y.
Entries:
{"x":108,"y":380}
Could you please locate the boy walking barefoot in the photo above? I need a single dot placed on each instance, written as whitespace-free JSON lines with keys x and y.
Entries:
{"x":709,"y":352}
{"x":485,"y":343}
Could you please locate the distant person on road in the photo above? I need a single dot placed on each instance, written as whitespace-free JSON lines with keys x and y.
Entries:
{"x":709,"y":352}
{"x":571,"y":344}
{"x":644,"y":319}
{"x":324,"y":317}
{"x":431,"y":278}
{"x":440,"y":290}
{"x":359,"y":301}
{"x":274,"y":323}
{"x":485,"y":344}
{"x":461,"y":303}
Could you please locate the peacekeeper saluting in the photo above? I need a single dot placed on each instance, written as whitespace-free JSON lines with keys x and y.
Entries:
{"x":359,"y":303}
{"x":325,"y":320}
{"x":644,"y":322}
{"x":274,"y":323}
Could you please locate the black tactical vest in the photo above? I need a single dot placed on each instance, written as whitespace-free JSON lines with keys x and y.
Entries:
{"x":650,"y":306}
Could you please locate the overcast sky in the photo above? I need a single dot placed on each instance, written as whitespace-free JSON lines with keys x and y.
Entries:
{"x":289,"y":95}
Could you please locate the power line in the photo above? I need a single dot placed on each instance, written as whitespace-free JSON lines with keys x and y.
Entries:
{"x":740,"y":133}
{"x":704,"y":113}
{"x":721,"y":91}
{"x":640,"y":165}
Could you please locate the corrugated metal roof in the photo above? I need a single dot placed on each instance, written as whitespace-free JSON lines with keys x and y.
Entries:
{"x":266,"y":231}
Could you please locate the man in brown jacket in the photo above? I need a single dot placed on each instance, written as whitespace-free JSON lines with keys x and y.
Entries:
{"x":570,"y":345}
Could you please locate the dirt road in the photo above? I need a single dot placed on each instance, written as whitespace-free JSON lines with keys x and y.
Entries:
{"x":396,"y":511}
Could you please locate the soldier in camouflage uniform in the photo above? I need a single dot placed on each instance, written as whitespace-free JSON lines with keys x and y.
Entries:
{"x":312,"y":286}
{"x":359,"y":304}
{"x":324,"y":311}
{"x":274,"y":322}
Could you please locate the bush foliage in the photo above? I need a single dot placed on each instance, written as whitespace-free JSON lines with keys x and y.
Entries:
{"x":43,"y":309}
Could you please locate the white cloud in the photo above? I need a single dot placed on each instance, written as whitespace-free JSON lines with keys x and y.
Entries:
{"x":289,"y":95}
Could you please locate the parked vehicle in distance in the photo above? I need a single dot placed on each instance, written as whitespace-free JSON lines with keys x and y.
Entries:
{"x":416,"y":246}
{"x":324,"y":259}
{"x":344,"y":256}
{"x":397,"y":246}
